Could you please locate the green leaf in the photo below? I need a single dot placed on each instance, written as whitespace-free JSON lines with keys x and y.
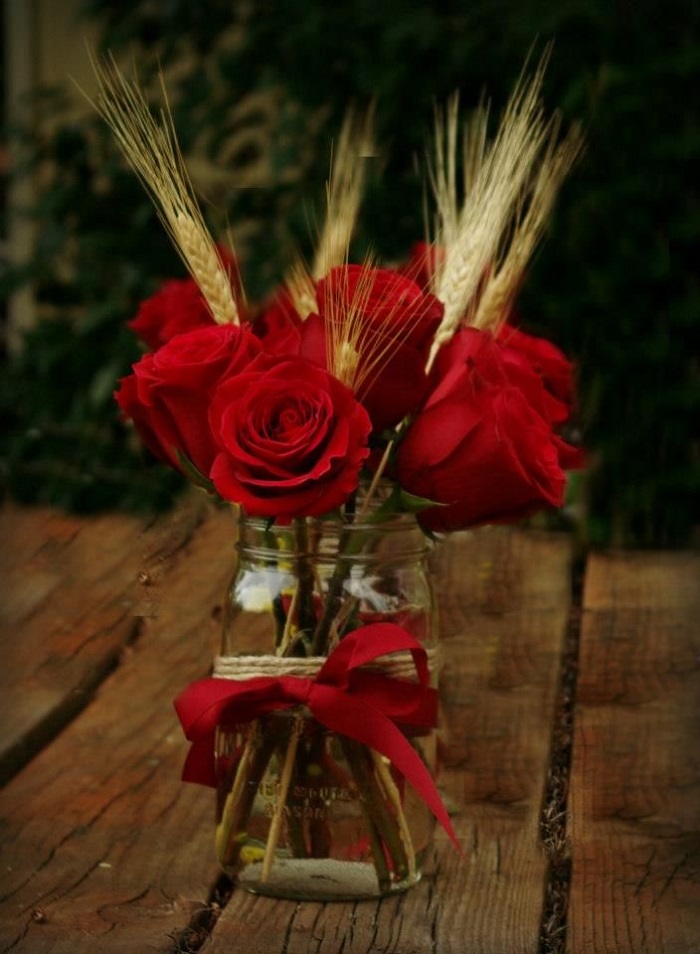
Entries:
{"x":411,"y":503}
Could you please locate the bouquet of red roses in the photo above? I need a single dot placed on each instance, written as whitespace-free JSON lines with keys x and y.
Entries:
{"x":414,"y":378}
{"x":281,"y":414}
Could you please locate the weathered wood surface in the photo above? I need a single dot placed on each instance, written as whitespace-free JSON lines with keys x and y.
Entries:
{"x":635,"y":792}
{"x":102,"y":848}
{"x":505,"y":599}
{"x":66,"y":615}
{"x":62,"y":624}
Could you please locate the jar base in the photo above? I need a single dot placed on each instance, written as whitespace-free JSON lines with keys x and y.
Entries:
{"x":322,"y":879}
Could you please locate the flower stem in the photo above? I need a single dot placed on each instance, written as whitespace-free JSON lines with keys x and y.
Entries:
{"x":287,"y":633}
{"x":333,"y":597}
{"x":231,"y":830}
{"x":360,"y":760}
{"x":276,"y":826}
{"x":375,"y":480}
{"x":305,"y":576}
{"x":393,"y":794}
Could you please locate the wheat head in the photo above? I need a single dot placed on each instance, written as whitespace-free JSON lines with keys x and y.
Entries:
{"x":150,"y":146}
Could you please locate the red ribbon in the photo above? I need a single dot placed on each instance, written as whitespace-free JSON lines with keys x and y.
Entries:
{"x":365,"y":706}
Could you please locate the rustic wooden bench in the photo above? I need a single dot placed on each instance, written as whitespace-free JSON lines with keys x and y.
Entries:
{"x":570,"y":720}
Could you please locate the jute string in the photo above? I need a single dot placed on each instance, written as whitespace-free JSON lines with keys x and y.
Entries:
{"x":397,"y":665}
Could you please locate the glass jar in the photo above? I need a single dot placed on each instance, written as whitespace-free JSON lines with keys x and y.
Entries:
{"x":303,"y":812}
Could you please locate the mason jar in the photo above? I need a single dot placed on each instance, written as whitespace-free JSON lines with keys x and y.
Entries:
{"x":303,"y":811}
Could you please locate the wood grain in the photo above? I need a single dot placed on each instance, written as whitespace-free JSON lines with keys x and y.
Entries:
{"x":103,"y":848}
{"x":504,"y":600}
{"x":635,"y":789}
{"x":58,"y":572}
{"x":67,"y":611}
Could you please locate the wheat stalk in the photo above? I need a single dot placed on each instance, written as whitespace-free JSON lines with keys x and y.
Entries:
{"x":502,"y":285}
{"x":442,"y":173}
{"x":344,"y":192}
{"x":150,"y":146}
{"x":474,"y":144}
{"x":345,"y":328}
{"x":497,"y":176}
{"x":358,"y":349}
{"x":301,"y":288}
{"x":443,"y":178}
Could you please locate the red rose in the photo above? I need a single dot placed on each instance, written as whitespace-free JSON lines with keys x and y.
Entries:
{"x":547,"y":361}
{"x":482,"y":445}
{"x":175,"y":308}
{"x":278,"y":325}
{"x":398,"y":323}
{"x":292,"y":439}
{"x":169,"y":391}
{"x":179,"y":306}
{"x":556,"y":373}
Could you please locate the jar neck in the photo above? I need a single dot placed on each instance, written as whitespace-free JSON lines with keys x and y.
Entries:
{"x":398,"y":535}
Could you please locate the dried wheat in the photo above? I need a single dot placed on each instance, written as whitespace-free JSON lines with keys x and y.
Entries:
{"x":151,"y":147}
{"x":344,"y":192}
{"x":301,"y":288}
{"x":496,"y":176}
{"x":503,"y":284}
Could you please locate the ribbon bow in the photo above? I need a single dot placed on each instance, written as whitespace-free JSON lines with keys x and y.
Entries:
{"x":362,"y":705}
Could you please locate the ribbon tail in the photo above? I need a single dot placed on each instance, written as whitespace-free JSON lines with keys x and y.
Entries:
{"x":358,"y":720}
{"x":200,"y":764}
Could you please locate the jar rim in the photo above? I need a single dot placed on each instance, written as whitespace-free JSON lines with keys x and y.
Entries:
{"x":335,"y":520}
{"x":390,"y":520}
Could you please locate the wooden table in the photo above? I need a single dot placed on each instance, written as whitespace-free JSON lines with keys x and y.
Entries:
{"x":571,"y":719}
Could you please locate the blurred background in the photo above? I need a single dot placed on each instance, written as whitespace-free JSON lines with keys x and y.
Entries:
{"x":259,"y":90}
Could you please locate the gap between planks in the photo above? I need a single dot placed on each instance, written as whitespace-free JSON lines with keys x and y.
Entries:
{"x":555,"y":804}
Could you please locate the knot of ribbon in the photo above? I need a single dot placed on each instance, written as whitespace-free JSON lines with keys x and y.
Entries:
{"x":363,"y":705}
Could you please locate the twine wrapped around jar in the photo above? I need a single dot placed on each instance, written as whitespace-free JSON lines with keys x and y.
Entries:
{"x":398,"y":665}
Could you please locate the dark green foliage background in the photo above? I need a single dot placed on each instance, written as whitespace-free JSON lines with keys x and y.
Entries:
{"x":606,"y":286}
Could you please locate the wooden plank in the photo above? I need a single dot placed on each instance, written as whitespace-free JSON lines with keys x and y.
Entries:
{"x":54,"y":568}
{"x":98,"y":834}
{"x":635,"y":787}
{"x":505,"y":599}
{"x":64,"y":618}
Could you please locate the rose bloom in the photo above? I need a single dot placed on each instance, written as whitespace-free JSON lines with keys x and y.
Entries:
{"x":399,"y":322}
{"x":547,"y":361}
{"x":168,"y":393}
{"x":483,"y":444}
{"x":291,"y":439}
{"x":179,"y":306}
